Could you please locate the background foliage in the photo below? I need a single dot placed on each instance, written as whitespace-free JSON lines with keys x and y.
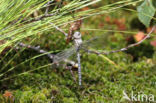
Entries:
{"x":104,"y":77}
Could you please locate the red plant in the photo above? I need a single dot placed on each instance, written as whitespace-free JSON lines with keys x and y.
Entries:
{"x":139,"y":36}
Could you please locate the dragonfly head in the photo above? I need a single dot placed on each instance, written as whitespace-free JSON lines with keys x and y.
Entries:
{"x":77,"y":38}
{"x":77,"y":35}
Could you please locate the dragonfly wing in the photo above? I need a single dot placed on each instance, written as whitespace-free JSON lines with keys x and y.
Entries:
{"x":101,"y":43}
{"x":98,"y":41}
{"x":64,"y":54}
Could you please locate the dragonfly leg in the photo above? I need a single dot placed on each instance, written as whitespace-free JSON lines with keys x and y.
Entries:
{"x":71,"y":71}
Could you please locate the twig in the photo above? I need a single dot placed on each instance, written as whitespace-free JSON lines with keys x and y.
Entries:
{"x":45,"y":15}
{"x":59,"y":29}
{"x":125,"y":48}
{"x":47,"y":8}
{"x":72,"y":73}
{"x":50,"y":56}
{"x":37,"y":49}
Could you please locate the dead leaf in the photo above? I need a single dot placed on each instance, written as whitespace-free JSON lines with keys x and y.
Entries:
{"x":139,"y":36}
{"x":153,"y":43}
{"x":7,"y":94}
{"x":149,"y":29}
{"x":108,"y":19}
{"x":2,"y":42}
{"x":101,"y":25}
{"x":122,"y":27}
{"x":120,"y":23}
{"x":84,"y":9}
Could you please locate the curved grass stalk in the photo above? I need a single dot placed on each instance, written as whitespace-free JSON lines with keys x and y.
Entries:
{"x":12,"y":59}
{"x":41,"y":67}
{"x":110,"y":61}
{"x":117,"y":31}
{"x":8,"y":53}
{"x":25,"y":62}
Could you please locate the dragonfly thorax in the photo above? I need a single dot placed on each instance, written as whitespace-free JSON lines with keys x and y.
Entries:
{"x":77,"y":38}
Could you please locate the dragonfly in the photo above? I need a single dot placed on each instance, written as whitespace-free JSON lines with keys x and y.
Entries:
{"x":67,"y":53}
{"x":79,"y":45}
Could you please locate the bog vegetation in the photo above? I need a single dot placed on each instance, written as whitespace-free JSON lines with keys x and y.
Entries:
{"x":123,"y":59}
